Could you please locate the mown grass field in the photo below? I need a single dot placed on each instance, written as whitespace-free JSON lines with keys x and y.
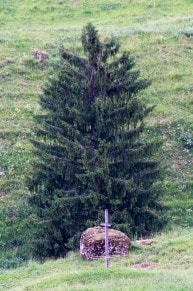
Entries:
{"x":165,"y":265}
{"x":154,"y":32}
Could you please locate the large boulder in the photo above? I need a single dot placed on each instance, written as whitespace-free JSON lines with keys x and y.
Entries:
{"x":92,"y":243}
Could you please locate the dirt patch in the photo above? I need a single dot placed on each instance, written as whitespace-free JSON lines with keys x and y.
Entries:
{"x":149,"y":265}
{"x":145,"y":242}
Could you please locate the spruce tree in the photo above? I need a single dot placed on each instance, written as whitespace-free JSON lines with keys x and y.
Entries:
{"x":90,"y":154}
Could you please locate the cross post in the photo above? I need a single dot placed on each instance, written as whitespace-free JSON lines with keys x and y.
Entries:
{"x":106,"y":225}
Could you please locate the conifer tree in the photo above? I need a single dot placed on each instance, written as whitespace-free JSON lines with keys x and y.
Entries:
{"x":89,"y":150}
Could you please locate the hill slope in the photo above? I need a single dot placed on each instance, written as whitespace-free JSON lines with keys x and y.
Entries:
{"x":154,"y":31}
{"x":165,"y":265}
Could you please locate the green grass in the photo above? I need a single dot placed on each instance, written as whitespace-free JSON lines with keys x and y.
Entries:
{"x":152,"y":31}
{"x":165,"y":265}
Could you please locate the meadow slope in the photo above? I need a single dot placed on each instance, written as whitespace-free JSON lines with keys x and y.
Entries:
{"x":165,"y":265}
{"x":156,"y":34}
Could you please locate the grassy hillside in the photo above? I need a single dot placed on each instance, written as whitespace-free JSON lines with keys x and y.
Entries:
{"x":152,"y":30}
{"x":165,"y":265}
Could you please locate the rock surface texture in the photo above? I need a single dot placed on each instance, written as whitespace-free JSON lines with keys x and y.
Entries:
{"x":92,"y":243}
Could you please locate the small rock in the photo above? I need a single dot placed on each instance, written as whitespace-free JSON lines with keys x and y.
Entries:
{"x":41,"y":56}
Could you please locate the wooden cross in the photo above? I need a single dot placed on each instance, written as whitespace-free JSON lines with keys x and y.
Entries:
{"x":106,"y":225}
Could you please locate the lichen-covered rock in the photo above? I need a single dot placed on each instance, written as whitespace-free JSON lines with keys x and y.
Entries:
{"x":92,"y":243}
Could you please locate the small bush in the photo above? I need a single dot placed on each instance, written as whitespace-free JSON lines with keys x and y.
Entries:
{"x":109,"y":6}
{"x":11,"y":261}
{"x":187,"y":139}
